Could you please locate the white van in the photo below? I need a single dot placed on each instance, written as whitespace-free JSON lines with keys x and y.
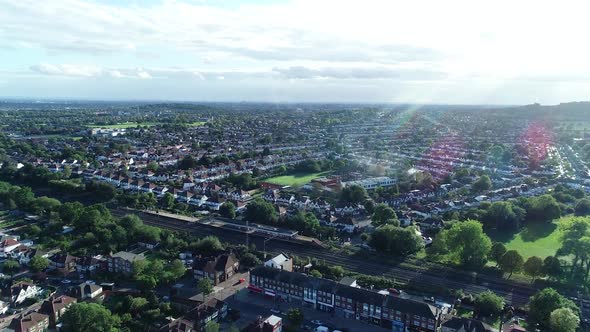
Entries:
{"x":322,"y":329}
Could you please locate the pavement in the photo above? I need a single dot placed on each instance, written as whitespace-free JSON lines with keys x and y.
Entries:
{"x":252,"y":305}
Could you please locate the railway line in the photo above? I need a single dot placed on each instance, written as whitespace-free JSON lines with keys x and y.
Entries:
{"x":515,"y":294}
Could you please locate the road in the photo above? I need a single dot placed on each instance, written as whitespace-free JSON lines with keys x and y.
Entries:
{"x":435,"y":275}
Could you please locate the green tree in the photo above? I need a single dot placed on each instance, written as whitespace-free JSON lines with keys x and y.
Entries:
{"x":511,"y":262}
{"x":315,"y":273}
{"x":260,"y":211}
{"x":175,"y":270}
{"x":552,"y":267}
{"x":38,"y":263}
{"x":396,"y":240}
{"x":384,"y":214}
{"x":227,"y":210}
{"x":249,"y":260}
{"x":483,"y":183}
{"x":168,"y":201}
{"x":542,"y":304}
{"x":564,"y":320}
{"x":464,"y":241}
{"x":152,"y":166}
{"x":353,"y":194}
{"x":504,"y":216}
{"x":205,"y":287}
{"x":212,"y":326}
{"x":295,"y":316}
{"x":543,"y":208}
{"x":533,"y":267}
{"x":489,"y":304}
{"x":69,"y":212}
{"x":45,"y":205}
{"x":89,"y":317}
{"x":209,"y":245}
{"x":582,"y":207}
{"x":575,"y":241}
{"x":498,"y":250}
{"x":10,"y":267}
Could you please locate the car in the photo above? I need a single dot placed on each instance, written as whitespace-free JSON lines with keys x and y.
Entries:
{"x":90,"y":282}
{"x":317,"y":322}
{"x":394,"y":291}
{"x":429,"y":299}
{"x":275,"y":311}
{"x":66,"y":281}
{"x":242,"y":280}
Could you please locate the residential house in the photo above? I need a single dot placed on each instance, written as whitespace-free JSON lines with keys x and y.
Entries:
{"x":122,"y":262}
{"x":33,"y":322}
{"x":345,"y":223}
{"x":20,"y":291}
{"x":462,"y":324}
{"x":7,"y":246}
{"x":91,"y":264}
{"x":4,"y":307}
{"x":270,"y":324}
{"x":55,"y":307}
{"x":281,"y":262}
{"x":27,"y":254}
{"x":64,"y":264}
{"x":86,"y":291}
{"x":197,"y":318}
{"x":217,"y":269}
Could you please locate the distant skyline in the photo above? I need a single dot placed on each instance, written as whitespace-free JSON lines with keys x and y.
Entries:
{"x":370,"y":51}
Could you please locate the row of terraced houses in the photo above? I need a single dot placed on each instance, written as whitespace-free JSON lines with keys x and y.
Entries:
{"x":345,"y":300}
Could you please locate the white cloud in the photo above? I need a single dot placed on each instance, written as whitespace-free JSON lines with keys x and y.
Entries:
{"x":460,"y":43}
{"x":68,"y":70}
{"x":116,"y":74}
{"x":143,"y":74}
{"x":301,"y":72}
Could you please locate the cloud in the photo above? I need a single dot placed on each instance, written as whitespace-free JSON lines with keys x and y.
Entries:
{"x":143,"y":74}
{"x":67,"y":70}
{"x":301,"y":72}
{"x":350,"y":45}
{"x":116,"y":74}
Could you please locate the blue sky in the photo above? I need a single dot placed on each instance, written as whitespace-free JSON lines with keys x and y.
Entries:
{"x":454,"y":51}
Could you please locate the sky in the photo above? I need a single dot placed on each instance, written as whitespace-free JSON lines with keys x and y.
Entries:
{"x":452,"y":51}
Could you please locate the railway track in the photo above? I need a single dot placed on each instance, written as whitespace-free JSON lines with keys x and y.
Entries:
{"x":514,"y":294}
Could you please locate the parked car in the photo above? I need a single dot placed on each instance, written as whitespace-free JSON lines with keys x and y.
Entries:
{"x":394,"y":291}
{"x":317,"y":322}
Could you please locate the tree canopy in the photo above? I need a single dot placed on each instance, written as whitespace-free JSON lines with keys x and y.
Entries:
{"x":464,"y":241}
{"x":542,"y":304}
{"x":89,"y":317}
{"x":396,"y":240}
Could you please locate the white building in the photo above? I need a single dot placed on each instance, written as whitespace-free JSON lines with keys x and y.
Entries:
{"x":372,"y":183}
{"x":280,"y":262}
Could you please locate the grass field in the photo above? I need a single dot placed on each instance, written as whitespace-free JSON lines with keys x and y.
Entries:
{"x":534,"y":240}
{"x":196,"y":123}
{"x":124,"y":125}
{"x":295,"y":180}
